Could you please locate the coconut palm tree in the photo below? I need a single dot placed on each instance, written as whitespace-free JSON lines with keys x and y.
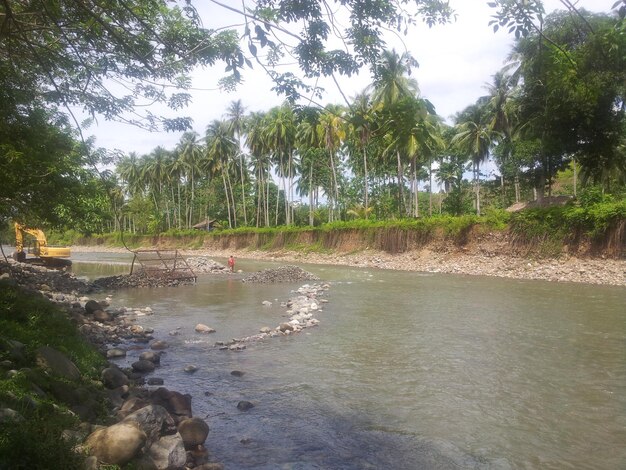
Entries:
{"x":474,"y":138}
{"x":129,"y":170}
{"x":360,"y":118}
{"x":220,"y":148}
{"x":280,"y":137}
{"x":331,"y":130}
{"x":235,"y":115}
{"x":154,"y":173}
{"x":502,"y":110}
{"x":392,"y":84}
{"x":259,"y":153}
{"x":189,"y":151}
{"x":314,"y":160}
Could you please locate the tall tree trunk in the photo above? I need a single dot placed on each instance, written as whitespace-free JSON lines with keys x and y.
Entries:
{"x":430,"y":187}
{"x":401,"y":204}
{"x":232,"y":198}
{"x":575,"y":176}
{"x":267,"y":199}
{"x":243,"y":191}
{"x":477,"y":179}
{"x":230,"y":225}
{"x":365,"y":183}
{"x":335,"y":186}
{"x":311,"y":195}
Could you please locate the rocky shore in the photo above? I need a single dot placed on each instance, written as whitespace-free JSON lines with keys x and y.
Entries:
{"x":476,"y":261}
{"x":151,"y":428}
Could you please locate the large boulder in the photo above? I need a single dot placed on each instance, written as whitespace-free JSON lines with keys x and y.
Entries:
{"x":168,"y":452}
{"x":102,"y":316}
{"x":117,"y":444}
{"x":143,"y":366}
{"x":91,"y":306}
{"x":194,"y":431}
{"x":113,"y":377}
{"x":154,"y":421}
{"x":176,"y":404}
{"x":130,"y":406}
{"x":154,"y":357}
{"x":57,"y":363}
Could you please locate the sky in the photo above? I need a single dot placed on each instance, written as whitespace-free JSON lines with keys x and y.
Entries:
{"x":456,"y":62}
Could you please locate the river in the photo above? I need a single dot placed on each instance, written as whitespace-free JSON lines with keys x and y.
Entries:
{"x":405,"y":371}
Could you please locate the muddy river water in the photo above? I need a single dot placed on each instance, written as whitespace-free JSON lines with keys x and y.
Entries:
{"x":405,"y":370}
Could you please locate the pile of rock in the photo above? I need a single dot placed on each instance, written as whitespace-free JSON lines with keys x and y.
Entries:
{"x":288,"y":273}
{"x":204,"y":265}
{"x":300,"y":309}
{"x":156,"y":428}
{"x":139,"y":279}
{"x":41,"y":278}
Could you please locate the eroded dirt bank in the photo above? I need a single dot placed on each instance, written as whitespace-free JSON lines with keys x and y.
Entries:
{"x":476,"y":260}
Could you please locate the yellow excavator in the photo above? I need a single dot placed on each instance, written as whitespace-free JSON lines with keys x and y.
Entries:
{"x":48,"y":255}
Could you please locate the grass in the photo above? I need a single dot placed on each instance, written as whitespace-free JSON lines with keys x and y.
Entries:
{"x":542,"y":230}
{"x":36,"y":442}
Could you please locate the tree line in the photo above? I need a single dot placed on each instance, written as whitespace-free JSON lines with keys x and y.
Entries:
{"x":558,"y":105}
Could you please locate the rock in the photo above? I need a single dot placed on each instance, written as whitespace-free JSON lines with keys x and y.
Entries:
{"x":102,"y":316}
{"x":91,"y":306}
{"x":237,"y":373}
{"x":190,"y":369}
{"x":202,"y":328}
{"x":91,"y":463}
{"x":143,"y":366}
{"x":117,"y":444}
{"x":57,"y":363}
{"x":265,"y":329}
{"x":280,"y":274}
{"x":176,"y":404}
{"x":8,"y":415}
{"x":266,"y":303}
{"x":210,"y":466}
{"x":113,"y":377}
{"x":136,"y":329}
{"x":151,"y":356}
{"x":115,"y":353}
{"x":197,"y":456}
{"x":159,"y":345}
{"x":166,"y":453}
{"x":285,"y":327}
{"x":194,"y":431}
{"x":244,"y":405}
{"x":153,"y":420}
{"x":131,"y":405}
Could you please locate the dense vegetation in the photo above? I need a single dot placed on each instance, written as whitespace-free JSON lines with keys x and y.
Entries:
{"x":28,"y":322}
{"x":552,"y":123}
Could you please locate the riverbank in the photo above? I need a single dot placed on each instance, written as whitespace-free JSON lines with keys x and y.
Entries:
{"x":471,"y":261}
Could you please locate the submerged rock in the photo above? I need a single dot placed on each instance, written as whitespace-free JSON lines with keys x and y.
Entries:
{"x":244,"y":405}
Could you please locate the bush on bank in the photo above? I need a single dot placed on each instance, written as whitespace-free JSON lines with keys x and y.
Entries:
{"x":601,"y":223}
{"x":544,"y":231}
{"x":35,"y":440}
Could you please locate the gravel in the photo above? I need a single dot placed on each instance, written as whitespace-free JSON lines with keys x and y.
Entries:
{"x":287,"y":273}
